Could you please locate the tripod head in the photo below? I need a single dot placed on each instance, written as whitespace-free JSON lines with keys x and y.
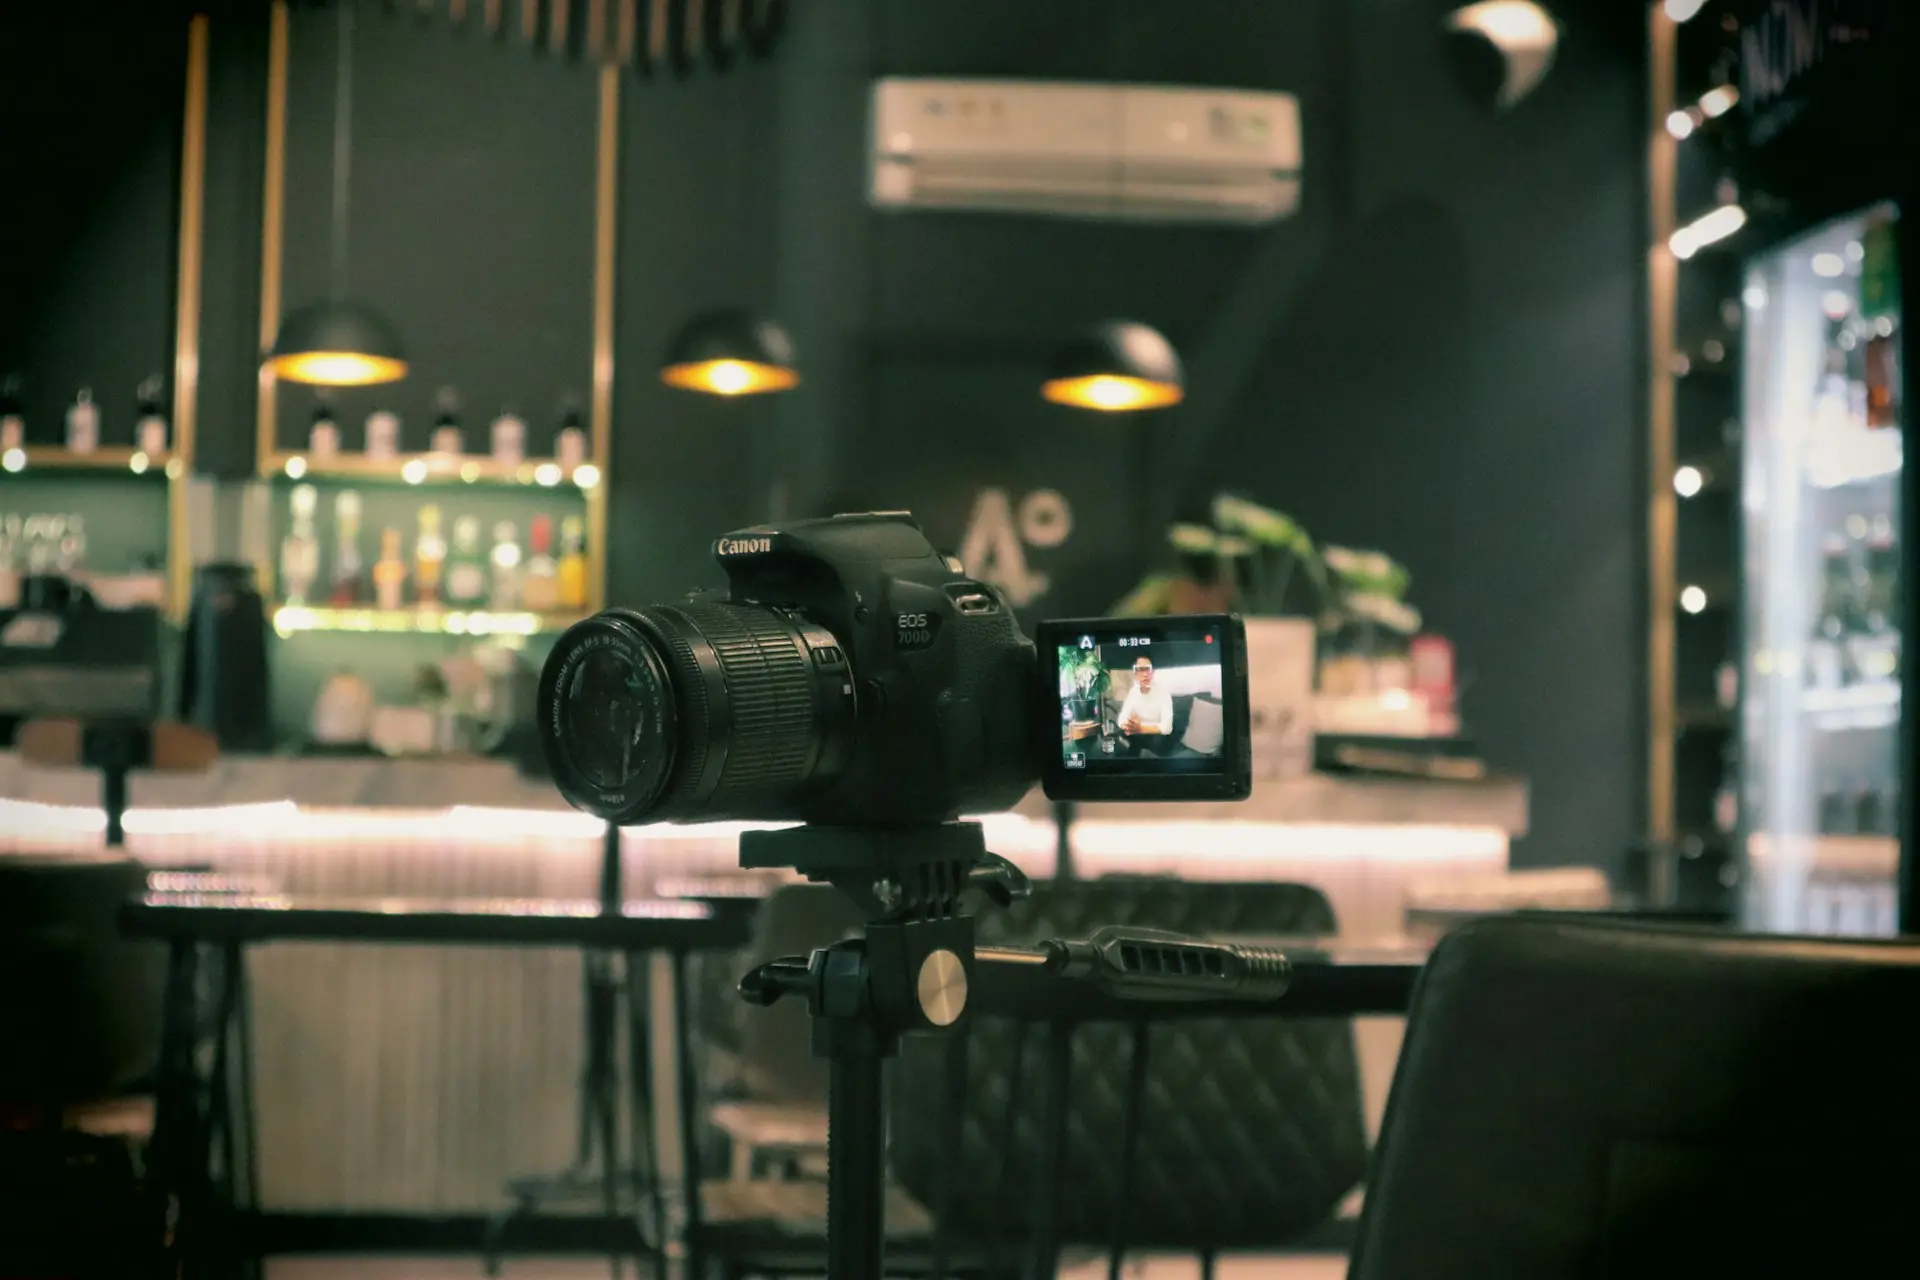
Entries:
{"x":912,"y":970}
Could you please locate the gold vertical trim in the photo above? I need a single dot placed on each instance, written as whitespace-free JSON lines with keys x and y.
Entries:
{"x":186,"y":320}
{"x":1663,"y":505}
{"x":605,"y":242}
{"x":272,"y":230}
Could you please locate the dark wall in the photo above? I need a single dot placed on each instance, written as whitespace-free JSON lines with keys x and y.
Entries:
{"x":91,"y":152}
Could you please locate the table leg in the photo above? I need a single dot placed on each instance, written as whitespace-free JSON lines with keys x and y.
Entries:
{"x":651,"y":1196}
{"x":689,"y":1100}
{"x":1045,"y":1259}
{"x":175,"y":1105}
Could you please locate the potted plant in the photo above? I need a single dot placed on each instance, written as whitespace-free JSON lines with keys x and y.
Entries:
{"x":1084,"y":682}
{"x":1251,"y":559}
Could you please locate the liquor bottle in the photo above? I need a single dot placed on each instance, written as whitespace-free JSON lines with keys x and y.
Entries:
{"x":1826,"y":663}
{"x":539,"y":585}
{"x":570,"y":445}
{"x":429,"y":556}
{"x":506,"y":567}
{"x":1833,"y":400}
{"x":508,"y":438}
{"x":573,"y":564}
{"x":383,"y":434}
{"x":389,"y":571}
{"x":300,"y":551}
{"x":1883,"y":375}
{"x":13,"y":426}
{"x":323,"y":437}
{"x":1883,"y":593}
{"x":446,"y":424}
{"x":150,"y":420}
{"x":348,"y":566}
{"x":83,"y":423}
{"x":467,"y":579}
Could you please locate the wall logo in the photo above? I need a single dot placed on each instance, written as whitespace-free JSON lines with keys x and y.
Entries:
{"x":995,"y":547}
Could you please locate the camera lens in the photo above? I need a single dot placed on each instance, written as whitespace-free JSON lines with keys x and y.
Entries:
{"x":698,"y":711}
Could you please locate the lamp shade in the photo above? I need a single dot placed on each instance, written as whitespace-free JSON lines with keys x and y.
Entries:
{"x":337,"y":344}
{"x":1118,"y":366}
{"x":730,"y":353}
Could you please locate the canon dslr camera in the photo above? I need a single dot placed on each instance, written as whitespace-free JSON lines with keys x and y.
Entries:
{"x":853,"y":676}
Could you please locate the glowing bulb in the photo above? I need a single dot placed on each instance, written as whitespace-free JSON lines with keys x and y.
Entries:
{"x":1680,"y":124}
{"x":1755,"y":297}
{"x":1829,"y":265}
{"x":296,"y":467}
{"x":1693,"y":600}
{"x":729,"y":377}
{"x":586,"y":475}
{"x":1836,"y":304}
{"x":1706,"y":230}
{"x":547,"y":474}
{"x":137,"y":463}
{"x":1682,"y":10}
{"x":414,"y":471}
{"x":1856,"y":252}
{"x":337,"y":368}
{"x":470,"y":471}
{"x":175,"y":468}
{"x":1111,"y":393}
{"x":1688,"y":481}
{"x":1717,"y":102}
{"x":14,"y":460}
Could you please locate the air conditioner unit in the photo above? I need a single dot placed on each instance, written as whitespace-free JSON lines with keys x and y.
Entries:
{"x":1147,"y":153}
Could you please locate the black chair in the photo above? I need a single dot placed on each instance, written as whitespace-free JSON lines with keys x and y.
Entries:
{"x":1245,"y":1134}
{"x":1588,"y":1099}
{"x":1192,"y":1136}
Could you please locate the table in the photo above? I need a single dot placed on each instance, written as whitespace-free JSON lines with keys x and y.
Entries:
{"x":201,"y":1161}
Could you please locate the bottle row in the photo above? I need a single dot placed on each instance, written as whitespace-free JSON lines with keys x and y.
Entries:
{"x":83,"y":430}
{"x":382,"y":435}
{"x":464,"y":566}
{"x":1856,"y":638}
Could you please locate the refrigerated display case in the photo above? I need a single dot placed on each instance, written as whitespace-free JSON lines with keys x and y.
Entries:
{"x":1825,"y":595}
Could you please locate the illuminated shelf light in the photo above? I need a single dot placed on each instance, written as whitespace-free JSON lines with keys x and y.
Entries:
{"x":435,"y":468}
{"x":102,"y":461}
{"x":291,"y":619}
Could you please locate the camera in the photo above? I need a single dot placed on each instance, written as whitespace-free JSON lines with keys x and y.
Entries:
{"x":853,"y":676}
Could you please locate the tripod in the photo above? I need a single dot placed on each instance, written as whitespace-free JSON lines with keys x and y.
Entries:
{"x":915,"y":970}
{"x":908,"y":974}
{"x":596,"y":1167}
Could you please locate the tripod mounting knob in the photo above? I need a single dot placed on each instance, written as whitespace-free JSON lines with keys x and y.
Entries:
{"x":766,"y":984}
{"x":1002,"y":882}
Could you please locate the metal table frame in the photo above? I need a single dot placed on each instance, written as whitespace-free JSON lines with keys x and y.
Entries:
{"x":203,"y":1160}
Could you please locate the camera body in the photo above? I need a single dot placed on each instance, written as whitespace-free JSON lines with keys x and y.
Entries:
{"x":855,"y":677}
{"x":939,"y":668}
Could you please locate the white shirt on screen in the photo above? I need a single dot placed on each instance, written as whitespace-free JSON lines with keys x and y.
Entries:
{"x":1153,"y":706}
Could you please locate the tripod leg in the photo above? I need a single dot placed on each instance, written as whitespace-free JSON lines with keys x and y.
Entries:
{"x":856,"y":1176}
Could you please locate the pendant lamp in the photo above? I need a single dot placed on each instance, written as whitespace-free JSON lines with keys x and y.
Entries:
{"x":338,"y":343}
{"x":1117,"y":367}
{"x":730,"y":353}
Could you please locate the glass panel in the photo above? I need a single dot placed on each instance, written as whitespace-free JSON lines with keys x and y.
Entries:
{"x":1823,"y":581}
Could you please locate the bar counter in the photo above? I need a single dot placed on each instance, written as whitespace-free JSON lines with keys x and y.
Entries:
{"x":401,"y":1079}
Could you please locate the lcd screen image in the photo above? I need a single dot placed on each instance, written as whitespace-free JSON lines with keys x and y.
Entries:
{"x":1148,"y":701}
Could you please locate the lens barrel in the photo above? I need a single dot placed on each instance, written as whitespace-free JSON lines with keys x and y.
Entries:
{"x":699,"y":711}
